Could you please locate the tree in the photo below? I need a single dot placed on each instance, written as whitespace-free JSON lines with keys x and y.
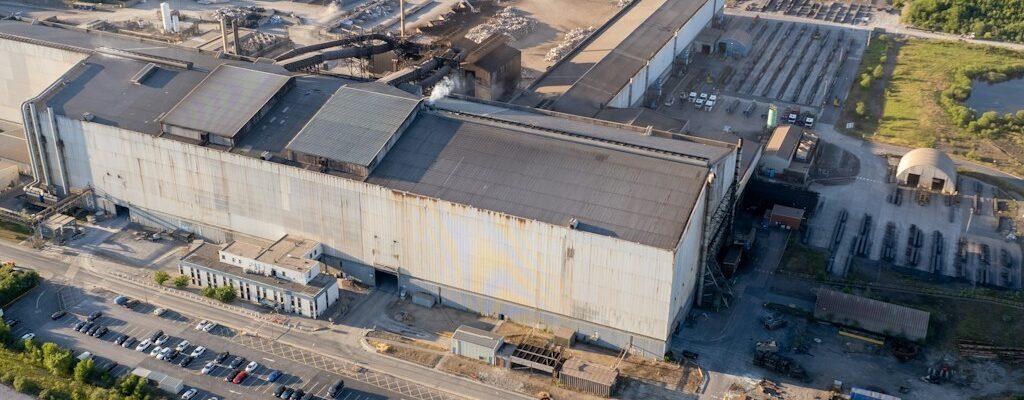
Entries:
{"x":226,"y":294}
{"x":57,"y":360}
{"x":181,"y":281}
{"x":82,"y":370}
{"x":25,"y":385}
{"x":160,"y":277}
{"x":865,"y":81}
{"x":861,"y":109}
{"x":5,"y":334}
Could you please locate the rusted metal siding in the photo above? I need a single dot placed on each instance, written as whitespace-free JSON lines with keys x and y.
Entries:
{"x":581,"y":275}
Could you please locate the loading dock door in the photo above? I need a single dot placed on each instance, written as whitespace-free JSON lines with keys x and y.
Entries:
{"x":913,"y":179}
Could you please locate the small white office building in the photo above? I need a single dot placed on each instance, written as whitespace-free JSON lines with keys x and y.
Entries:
{"x":285,"y":274}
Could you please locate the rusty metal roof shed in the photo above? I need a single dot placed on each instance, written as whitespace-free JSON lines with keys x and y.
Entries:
{"x":871,"y":315}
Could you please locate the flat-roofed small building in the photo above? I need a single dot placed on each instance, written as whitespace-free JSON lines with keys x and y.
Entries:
{"x":477,"y":344}
{"x":588,"y":377}
{"x":283,"y":274}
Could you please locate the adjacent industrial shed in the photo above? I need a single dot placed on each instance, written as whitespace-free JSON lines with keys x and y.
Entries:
{"x":588,"y":377}
{"x":161,"y":380}
{"x":625,"y":57}
{"x":788,"y":217}
{"x":928,"y":169}
{"x":735,"y":43}
{"x":527,"y":214}
{"x":225,"y":105}
{"x":477,"y":344}
{"x":871,"y":315}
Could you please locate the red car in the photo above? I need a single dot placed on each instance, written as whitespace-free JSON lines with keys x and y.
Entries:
{"x":240,"y":377}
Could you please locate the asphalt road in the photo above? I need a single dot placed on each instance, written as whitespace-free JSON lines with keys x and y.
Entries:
{"x":33,"y":312}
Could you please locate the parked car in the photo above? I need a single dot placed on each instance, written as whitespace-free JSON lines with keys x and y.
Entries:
{"x":171,"y":355}
{"x":208,"y":367}
{"x":79,"y":325}
{"x":222,"y":356}
{"x":92,"y":330}
{"x":87,"y":327}
{"x":273,"y":375}
{"x":198,"y":351}
{"x":336,"y":388}
{"x":156,"y":335}
{"x":209,"y":327}
{"x":109,"y":367}
{"x":279,"y":390}
{"x":287,"y":393}
{"x":229,"y":377}
{"x":252,"y":366}
{"x":95,"y":315}
{"x":120,"y":339}
{"x":308,"y":396}
{"x":237,"y":362}
{"x":129,"y":342}
{"x":156,"y":351}
{"x":161,"y":340}
{"x":85,"y":356}
{"x":297,"y":394}
{"x":182,"y":346}
{"x":186,"y":361}
{"x":144,"y":345}
{"x":240,"y":377}
{"x":100,"y":332}
{"x":57,"y":315}
{"x":28,"y":336}
{"x":11,"y":322}
{"x":131,"y":303}
{"x":201,"y":325}
{"x":121,"y":300}
{"x":189,"y":394}
{"x":159,"y":311}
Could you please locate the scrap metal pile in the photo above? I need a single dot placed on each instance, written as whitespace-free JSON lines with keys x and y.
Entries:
{"x":569,"y":42}
{"x":509,"y":22}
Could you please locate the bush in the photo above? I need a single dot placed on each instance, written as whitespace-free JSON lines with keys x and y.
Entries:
{"x":82,"y":371}
{"x":226,"y":294}
{"x":181,"y":281}
{"x":865,"y":81}
{"x":861,"y":109}
{"x":57,"y":360}
{"x":877,"y":72}
{"x":7,"y":378}
{"x":14,"y":283}
{"x":208,"y":291}
{"x":160,"y":277}
{"x":5,"y":334}
{"x":25,"y":385}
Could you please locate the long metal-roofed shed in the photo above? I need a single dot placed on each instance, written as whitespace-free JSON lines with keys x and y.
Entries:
{"x":871,"y":315}
{"x":601,"y":179}
{"x":355,"y":128}
{"x":227,"y":103}
{"x":625,"y":56}
{"x":478,"y":344}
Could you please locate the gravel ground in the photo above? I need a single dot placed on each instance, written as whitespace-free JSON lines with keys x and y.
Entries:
{"x":8,"y":393}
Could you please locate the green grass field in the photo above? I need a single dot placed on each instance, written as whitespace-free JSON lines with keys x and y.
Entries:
{"x":911,"y":113}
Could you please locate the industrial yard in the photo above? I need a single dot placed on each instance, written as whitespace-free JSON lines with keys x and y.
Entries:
{"x":547,"y":199}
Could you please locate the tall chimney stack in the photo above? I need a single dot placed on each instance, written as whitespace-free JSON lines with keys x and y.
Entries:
{"x":224,"y":35}
{"x":401,"y":18}
{"x":234,"y":31}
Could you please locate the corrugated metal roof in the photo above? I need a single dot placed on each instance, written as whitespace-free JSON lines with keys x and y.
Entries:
{"x":783,"y":142}
{"x":618,"y":193}
{"x":788,"y":212}
{"x":579,"y":368}
{"x":601,"y":82}
{"x":479,"y":337}
{"x":927,"y":157}
{"x":356,"y":123}
{"x":871,"y":315}
{"x":226,"y":100}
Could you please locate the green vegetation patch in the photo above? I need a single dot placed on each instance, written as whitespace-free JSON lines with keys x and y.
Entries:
{"x":804,"y":260}
{"x":15,"y":282}
{"x":913,"y":113}
{"x":985,"y":19}
{"x":14,"y":232}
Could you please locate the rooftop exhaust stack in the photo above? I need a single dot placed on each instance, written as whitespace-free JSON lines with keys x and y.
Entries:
{"x":401,"y":18}
{"x":224,"y":35}
{"x":165,"y":17}
{"x":234,"y":31}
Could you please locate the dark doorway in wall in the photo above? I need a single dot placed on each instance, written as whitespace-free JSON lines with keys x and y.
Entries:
{"x":386,"y":280}
{"x":121,"y":211}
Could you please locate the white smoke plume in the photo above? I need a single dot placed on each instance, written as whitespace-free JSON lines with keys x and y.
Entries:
{"x":442,"y":89}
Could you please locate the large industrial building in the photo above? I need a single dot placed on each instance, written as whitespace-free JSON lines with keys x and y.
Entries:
{"x":627,"y":56}
{"x":544,"y":218}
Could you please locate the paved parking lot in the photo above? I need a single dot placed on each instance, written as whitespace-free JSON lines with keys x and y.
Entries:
{"x":34,"y":309}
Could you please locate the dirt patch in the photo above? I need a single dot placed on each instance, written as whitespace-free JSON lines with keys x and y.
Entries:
{"x":408,"y":353}
{"x":438,"y":322}
{"x":516,"y":381}
{"x":394,"y":337}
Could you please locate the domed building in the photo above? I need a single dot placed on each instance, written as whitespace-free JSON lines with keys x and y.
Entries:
{"x":927,"y":169}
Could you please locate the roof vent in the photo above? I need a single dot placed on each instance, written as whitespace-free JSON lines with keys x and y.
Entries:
{"x":573,"y":223}
{"x":144,"y":73}
{"x":649,"y":131}
{"x":88,"y":116}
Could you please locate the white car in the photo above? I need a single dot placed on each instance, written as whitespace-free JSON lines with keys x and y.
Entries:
{"x":693,"y":96}
{"x":182,"y":346}
{"x":161,"y":340}
{"x":713,"y":97}
{"x":198,"y":351}
{"x":698,"y":103}
{"x":28,"y":336}
{"x":189,"y":394}
{"x":156,"y":350}
{"x":251,"y":366}
{"x":209,"y":327}
{"x":202,"y":325}
{"x":160,"y":311}
{"x":670,"y":101}
{"x":209,"y":367}
{"x":143,"y":345}
{"x":165,"y":353}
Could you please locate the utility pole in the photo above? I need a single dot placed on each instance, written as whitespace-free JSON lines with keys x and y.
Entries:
{"x":401,"y":19}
